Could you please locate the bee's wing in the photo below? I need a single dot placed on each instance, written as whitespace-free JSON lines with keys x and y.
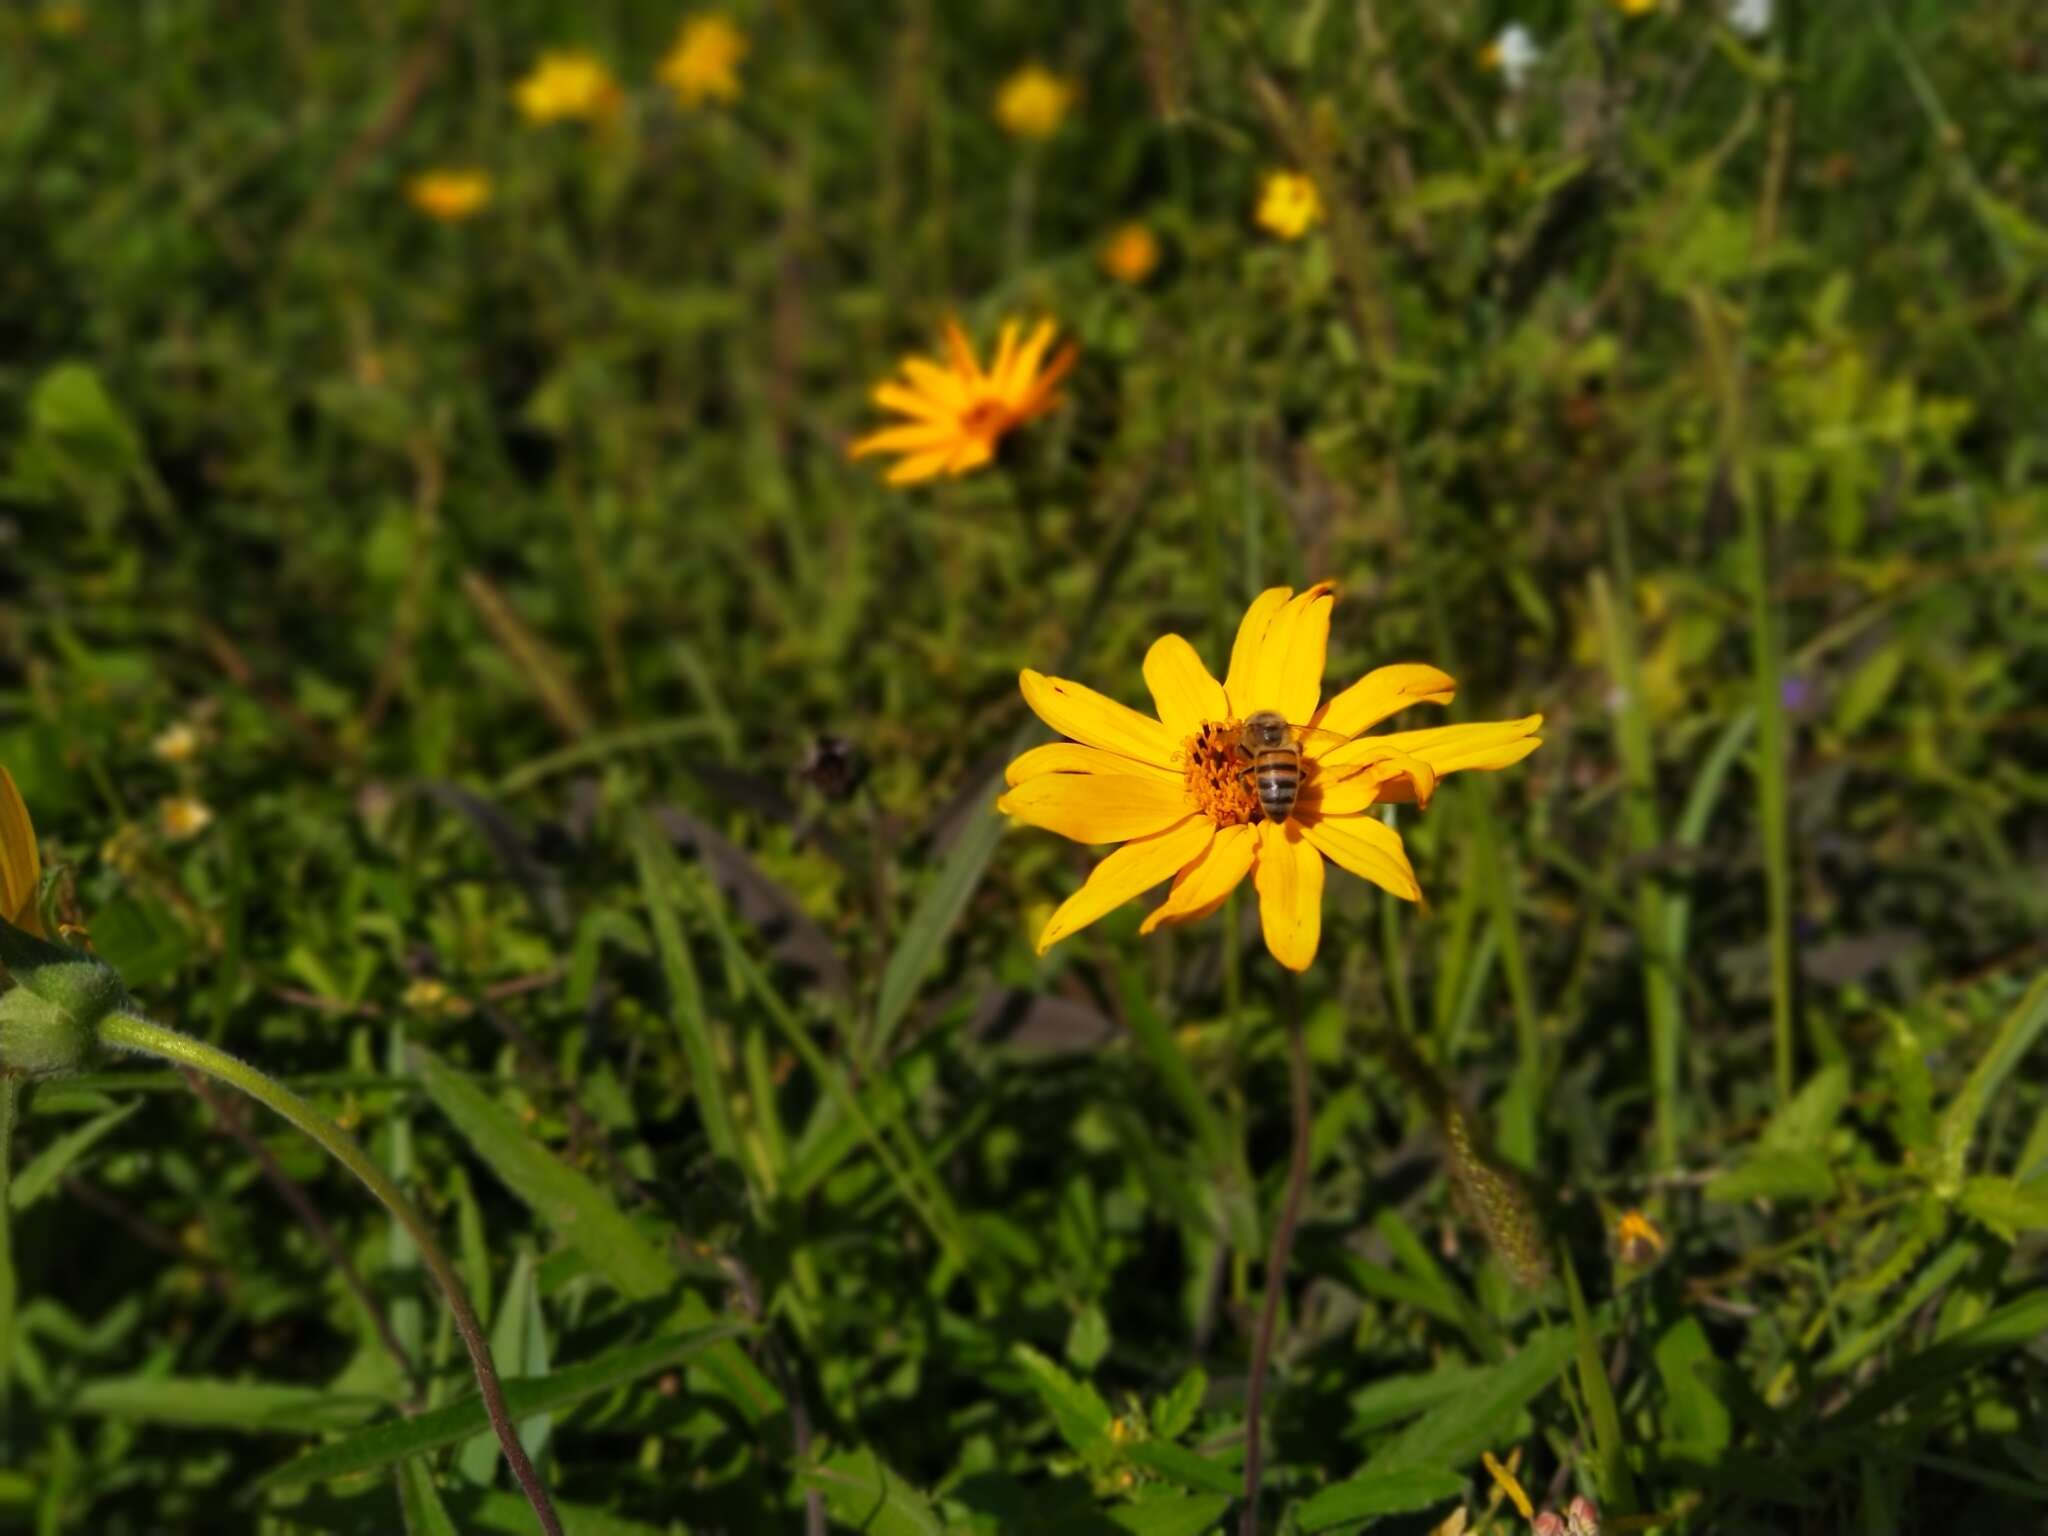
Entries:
{"x":1320,"y":743}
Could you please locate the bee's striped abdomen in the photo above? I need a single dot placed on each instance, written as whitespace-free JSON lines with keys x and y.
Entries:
{"x":1276,"y":774}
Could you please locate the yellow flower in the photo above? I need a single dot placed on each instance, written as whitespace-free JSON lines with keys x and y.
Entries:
{"x":1509,"y":1484}
{"x":1635,"y":7}
{"x":450,"y":196}
{"x":176,"y":743}
{"x":1289,"y":205}
{"x":958,"y":413}
{"x":21,"y":868}
{"x":1033,"y":102}
{"x":1130,"y":254}
{"x":704,"y":64}
{"x":430,"y":997}
{"x":569,"y":85}
{"x":1637,"y":1239}
{"x":1174,"y":793}
{"x":185,"y":816}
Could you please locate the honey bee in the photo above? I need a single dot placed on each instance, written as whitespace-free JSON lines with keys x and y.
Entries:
{"x":1271,"y":749}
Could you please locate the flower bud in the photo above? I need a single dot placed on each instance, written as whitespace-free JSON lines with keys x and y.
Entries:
{"x":41,"y":1038}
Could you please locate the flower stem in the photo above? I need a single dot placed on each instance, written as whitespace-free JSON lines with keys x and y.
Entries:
{"x":1276,"y":1268}
{"x":129,"y":1031}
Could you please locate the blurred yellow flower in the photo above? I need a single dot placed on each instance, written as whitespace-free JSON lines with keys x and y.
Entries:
{"x":450,"y":196}
{"x":1033,"y":102}
{"x":1510,"y":1484}
{"x":1175,"y":790}
{"x":704,"y":64}
{"x":1637,"y":1239}
{"x":569,"y":85}
{"x":959,"y":413}
{"x":1635,"y":7}
{"x":430,"y":998}
{"x":21,"y":867}
{"x":176,"y":743}
{"x":1289,"y":205}
{"x":61,"y":19}
{"x":185,"y":816}
{"x":1130,"y":254}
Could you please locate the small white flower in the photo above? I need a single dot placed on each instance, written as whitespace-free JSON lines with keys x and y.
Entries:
{"x":1752,"y":18}
{"x":1516,"y":53}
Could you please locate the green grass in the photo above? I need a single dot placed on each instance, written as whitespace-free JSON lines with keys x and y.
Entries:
{"x":508,"y":571}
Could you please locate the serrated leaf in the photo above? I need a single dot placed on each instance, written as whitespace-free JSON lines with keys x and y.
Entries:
{"x":1958,"y":1128}
{"x":1394,"y":1491}
{"x":1802,"y":1124}
{"x":1455,"y":1432}
{"x":1175,"y":1412}
{"x":382,"y":1444}
{"x":1077,"y":1409}
{"x":574,"y":1207}
{"x":2005,"y":1206}
{"x":2015,"y":1325}
{"x":864,"y":1495}
{"x":196,"y":1402}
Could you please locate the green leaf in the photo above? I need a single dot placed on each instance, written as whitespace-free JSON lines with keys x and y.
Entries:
{"x":939,"y":908}
{"x":2005,"y":1206}
{"x":562,"y":1198}
{"x":2013,"y":1326}
{"x":1172,"y":1514}
{"x":41,"y":1173}
{"x":1395,"y":1398}
{"x":1077,"y":1409}
{"x":1454,"y":1433}
{"x":382,"y":1444}
{"x":198,"y":1402}
{"x":1802,"y":1125}
{"x":1616,"y":1485}
{"x":497,"y":1510}
{"x":1173,"y":1414}
{"x":1698,"y":1417}
{"x":1774,"y":1176}
{"x":1868,"y":688}
{"x":863,"y":1494}
{"x":1393,"y":1491}
{"x":519,"y":1347}
{"x":419,"y":1501}
{"x":1178,"y":1464}
{"x":2016,"y":1034}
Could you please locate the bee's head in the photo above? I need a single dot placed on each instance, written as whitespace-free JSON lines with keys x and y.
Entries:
{"x":1264,"y":728}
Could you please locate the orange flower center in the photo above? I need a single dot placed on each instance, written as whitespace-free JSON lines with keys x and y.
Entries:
{"x":1217,"y":782}
{"x":986,"y":419}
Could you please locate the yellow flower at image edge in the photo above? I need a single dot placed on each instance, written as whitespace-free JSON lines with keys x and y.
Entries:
{"x":449,"y":196}
{"x":21,"y":868}
{"x":1173,"y":792}
{"x":704,"y":64}
{"x":184,"y":816}
{"x":1289,"y":205}
{"x":958,"y":411}
{"x":1033,"y":103}
{"x":568,"y":85}
{"x":1130,"y":254}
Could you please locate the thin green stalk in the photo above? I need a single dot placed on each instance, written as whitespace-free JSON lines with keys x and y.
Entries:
{"x":1518,"y":1138}
{"x":128,"y":1031}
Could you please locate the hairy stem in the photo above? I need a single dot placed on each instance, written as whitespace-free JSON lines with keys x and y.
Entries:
{"x":129,"y":1031}
{"x":1276,"y":1273}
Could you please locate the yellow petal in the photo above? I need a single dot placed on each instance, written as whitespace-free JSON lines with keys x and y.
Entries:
{"x":961,"y":355}
{"x":1199,"y":888}
{"x":1289,"y":880}
{"x":1096,"y":721}
{"x":922,"y":466}
{"x":1041,"y":396}
{"x":1244,"y":651}
{"x":1289,"y":673}
{"x":1182,"y":690}
{"x":1382,"y":692}
{"x":1024,"y":367}
{"x":1097,"y":807}
{"x":1006,"y":351}
{"x":911,"y":437}
{"x":21,"y":867}
{"x":1481,"y":745}
{"x":892,"y":396}
{"x":1344,"y":789}
{"x":1070,"y":757}
{"x":1131,"y":871}
{"x":1370,"y":849}
{"x":929,"y":378}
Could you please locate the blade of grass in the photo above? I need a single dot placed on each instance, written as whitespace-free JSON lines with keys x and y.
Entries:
{"x":1617,"y":1487}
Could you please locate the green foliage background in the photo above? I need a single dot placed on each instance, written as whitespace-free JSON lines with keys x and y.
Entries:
{"x":1690,"y":393}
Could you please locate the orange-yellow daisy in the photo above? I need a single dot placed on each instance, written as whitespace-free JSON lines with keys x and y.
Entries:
{"x":450,"y":196}
{"x":1130,"y":254}
{"x":21,"y":869}
{"x":959,"y":412}
{"x":1033,"y":102}
{"x":569,"y":84}
{"x":704,"y":64}
{"x":1173,"y":791}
